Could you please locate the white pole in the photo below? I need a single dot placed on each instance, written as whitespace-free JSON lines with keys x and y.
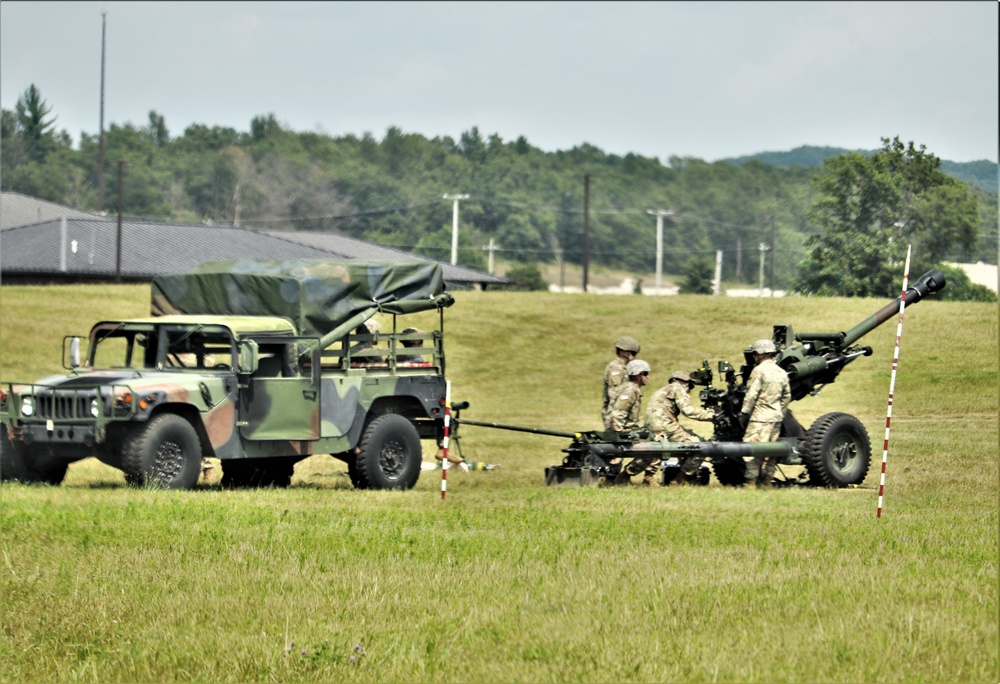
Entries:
{"x":659,"y":214}
{"x":659,"y":251}
{"x":717,"y":285}
{"x":454,"y":226}
{"x":892,"y":380}
{"x":763,"y":248}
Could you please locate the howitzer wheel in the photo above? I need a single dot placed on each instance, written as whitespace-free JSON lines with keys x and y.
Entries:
{"x":837,"y":451}
{"x":730,"y":472}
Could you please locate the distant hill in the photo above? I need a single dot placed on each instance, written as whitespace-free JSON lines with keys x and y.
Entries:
{"x":982,"y":174}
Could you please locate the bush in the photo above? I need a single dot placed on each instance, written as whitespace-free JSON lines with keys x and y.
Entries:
{"x":959,"y":288}
{"x":698,"y":275}
{"x":526,"y":278}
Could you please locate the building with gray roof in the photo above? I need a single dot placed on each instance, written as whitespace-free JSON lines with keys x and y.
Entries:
{"x":80,"y":246}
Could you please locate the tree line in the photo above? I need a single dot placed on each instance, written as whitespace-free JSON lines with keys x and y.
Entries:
{"x":529,"y":202}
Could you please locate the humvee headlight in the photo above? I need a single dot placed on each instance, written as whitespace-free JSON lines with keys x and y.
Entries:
{"x":94,"y":408}
{"x":28,"y":406}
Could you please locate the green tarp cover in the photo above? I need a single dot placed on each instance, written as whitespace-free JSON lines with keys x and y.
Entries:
{"x":316,"y":295}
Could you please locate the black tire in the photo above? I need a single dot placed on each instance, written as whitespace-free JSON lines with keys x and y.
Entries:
{"x":837,"y":451}
{"x":19,"y":464}
{"x":165,"y":453}
{"x":389,"y":454}
{"x":730,"y":472}
{"x":669,"y":473}
{"x":257,"y":472}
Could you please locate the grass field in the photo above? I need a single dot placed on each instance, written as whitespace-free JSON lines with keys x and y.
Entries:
{"x":510,"y":581}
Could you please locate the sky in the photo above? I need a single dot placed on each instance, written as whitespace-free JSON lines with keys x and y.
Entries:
{"x":710,"y":80}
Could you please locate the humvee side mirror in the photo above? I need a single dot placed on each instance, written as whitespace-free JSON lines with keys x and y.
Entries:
{"x":249,"y":357}
{"x":74,"y":353}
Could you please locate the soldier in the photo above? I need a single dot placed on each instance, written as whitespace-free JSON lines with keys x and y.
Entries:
{"x":626,"y":349}
{"x":768,"y":395}
{"x":410,"y":358}
{"x":625,"y":409}
{"x":665,"y":406}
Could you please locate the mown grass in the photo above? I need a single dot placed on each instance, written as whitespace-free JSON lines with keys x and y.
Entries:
{"x":507,"y":580}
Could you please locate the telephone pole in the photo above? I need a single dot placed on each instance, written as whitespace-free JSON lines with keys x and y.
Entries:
{"x":586,"y":227}
{"x":121,"y":204}
{"x":659,"y":214}
{"x":100,"y":145}
{"x":454,"y":226}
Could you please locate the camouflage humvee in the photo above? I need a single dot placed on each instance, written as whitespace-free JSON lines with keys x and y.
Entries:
{"x":257,"y":363}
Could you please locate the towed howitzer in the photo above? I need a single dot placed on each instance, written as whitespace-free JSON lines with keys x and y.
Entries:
{"x":835,"y":450}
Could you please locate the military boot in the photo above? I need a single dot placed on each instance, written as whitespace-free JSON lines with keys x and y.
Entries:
{"x":623,"y":478}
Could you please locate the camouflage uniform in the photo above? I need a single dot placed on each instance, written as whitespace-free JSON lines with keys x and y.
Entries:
{"x":625,"y":408}
{"x":615,"y":372}
{"x":768,"y":395}
{"x":614,"y":376}
{"x":662,"y":413}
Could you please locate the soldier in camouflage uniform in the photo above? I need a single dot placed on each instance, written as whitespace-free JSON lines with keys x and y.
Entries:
{"x":626,"y":409}
{"x":768,"y":395}
{"x":626,"y":349}
{"x":665,"y":406}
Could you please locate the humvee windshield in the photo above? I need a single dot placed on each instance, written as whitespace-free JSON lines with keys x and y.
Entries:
{"x":155,"y":347}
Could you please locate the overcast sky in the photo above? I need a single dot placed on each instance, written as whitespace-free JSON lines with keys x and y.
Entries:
{"x":701,"y":79}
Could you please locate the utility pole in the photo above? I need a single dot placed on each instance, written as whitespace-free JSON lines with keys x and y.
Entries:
{"x":586,"y":227}
{"x":491,"y":248}
{"x":118,"y":251}
{"x":454,"y":226}
{"x":773,"y":250}
{"x":100,"y":145}
{"x":739,"y":256}
{"x":659,"y":214}
{"x":763,"y":251}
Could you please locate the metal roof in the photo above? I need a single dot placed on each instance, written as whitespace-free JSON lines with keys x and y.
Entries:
{"x":20,"y":210}
{"x":75,"y":248}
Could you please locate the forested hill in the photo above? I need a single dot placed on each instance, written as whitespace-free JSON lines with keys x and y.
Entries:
{"x":982,"y":173}
{"x":397,"y":190}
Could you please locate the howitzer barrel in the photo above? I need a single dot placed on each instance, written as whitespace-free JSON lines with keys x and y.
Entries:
{"x":928,"y":283}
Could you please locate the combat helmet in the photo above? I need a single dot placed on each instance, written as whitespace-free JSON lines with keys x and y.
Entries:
{"x":764,"y":347}
{"x":627,"y":344}
{"x":683,"y":376}
{"x":636,"y":367}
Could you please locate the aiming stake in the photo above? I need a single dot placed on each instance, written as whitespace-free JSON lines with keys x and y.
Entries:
{"x":444,"y":442}
{"x":892,"y":381}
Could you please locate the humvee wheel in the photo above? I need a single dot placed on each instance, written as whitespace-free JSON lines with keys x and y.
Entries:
{"x":730,"y":472}
{"x":19,"y":464}
{"x":165,"y":453}
{"x":388,"y":455}
{"x":257,"y":472}
{"x":837,"y":451}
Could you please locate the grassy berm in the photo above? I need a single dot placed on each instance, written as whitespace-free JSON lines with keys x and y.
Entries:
{"x":510,"y":581}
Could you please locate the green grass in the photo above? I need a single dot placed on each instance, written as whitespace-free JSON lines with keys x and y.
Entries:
{"x":508,"y":580}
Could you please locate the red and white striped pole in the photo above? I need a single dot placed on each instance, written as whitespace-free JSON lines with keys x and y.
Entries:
{"x":892,"y":381}
{"x":444,"y":442}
